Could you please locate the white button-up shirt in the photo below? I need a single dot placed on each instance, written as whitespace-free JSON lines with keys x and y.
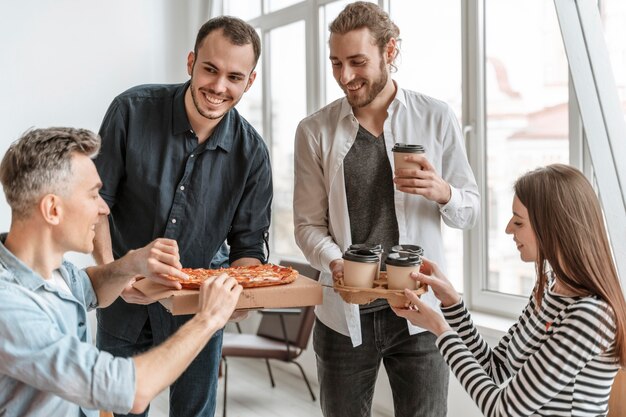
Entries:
{"x":322,"y":225}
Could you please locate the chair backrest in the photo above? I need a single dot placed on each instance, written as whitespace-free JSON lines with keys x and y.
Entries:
{"x":617,"y":400}
{"x":298,"y":326}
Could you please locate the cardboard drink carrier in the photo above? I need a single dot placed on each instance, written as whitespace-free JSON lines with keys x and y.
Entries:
{"x":300,"y":293}
{"x":361,"y":295}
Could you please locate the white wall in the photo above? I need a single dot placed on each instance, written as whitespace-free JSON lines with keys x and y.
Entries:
{"x":63,"y":61}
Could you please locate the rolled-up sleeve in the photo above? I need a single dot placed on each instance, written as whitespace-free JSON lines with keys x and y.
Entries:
{"x":36,"y":351}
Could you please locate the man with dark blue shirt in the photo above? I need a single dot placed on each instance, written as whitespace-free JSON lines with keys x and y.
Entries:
{"x":178,"y":161}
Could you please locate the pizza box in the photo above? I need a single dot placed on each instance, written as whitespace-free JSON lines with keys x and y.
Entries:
{"x":300,"y":293}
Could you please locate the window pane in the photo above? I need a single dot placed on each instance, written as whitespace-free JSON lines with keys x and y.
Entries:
{"x":273,"y":5}
{"x":613,"y":13}
{"x":433,"y":68}
{"x":288,"y":100}
{"x":251,"y":105}
{"x":527,"y":119}
{"x":243,"y":9}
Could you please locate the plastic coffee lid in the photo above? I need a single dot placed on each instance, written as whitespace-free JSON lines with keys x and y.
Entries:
{"x":376,"y":248}
{"x":412,"y":249}
{"x":408,"y":148}
{"x":360,"y":255}
{"x":398,"y":259}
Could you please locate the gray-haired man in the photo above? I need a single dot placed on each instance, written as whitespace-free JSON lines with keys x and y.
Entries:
{"x":47,"y":365}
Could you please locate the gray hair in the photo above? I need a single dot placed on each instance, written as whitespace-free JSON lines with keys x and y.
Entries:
{"x":40,"y":162}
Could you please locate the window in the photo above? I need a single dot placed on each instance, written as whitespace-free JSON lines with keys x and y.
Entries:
{"x":288,"y":107}
{"x":500,"y":64}
{"x":244,"y":9}
{"x":527,"y":118}
{"x":613,"y":13}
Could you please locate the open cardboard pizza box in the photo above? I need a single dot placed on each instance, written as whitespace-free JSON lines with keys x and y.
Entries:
{"x":300,"y":293}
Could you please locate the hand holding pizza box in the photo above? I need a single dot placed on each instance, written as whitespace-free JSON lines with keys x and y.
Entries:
{"x":281,"y":289}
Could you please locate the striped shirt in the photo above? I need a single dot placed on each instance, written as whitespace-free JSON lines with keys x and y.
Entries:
{"x":558,"y":359}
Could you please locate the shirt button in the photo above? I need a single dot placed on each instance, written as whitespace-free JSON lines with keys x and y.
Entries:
{"x":182,"y":188}
{"x":191,"y":156}
{"x":174,"y":221}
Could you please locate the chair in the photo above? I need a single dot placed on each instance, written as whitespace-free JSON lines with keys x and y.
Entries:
{"x":617,"y":399}
{"x":283,"y":334}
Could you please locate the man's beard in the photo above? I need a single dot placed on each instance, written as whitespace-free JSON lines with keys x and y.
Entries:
{"x":200,"y":110}
{"x":374,"y":89}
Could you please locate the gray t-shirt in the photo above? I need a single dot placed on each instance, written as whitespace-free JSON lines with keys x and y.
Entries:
{"x":370,"y":196}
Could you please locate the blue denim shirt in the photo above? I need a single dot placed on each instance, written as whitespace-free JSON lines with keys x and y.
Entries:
{"x":48,"y":367}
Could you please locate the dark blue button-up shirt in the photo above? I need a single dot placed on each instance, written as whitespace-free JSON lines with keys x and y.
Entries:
{"x":160,"y":182}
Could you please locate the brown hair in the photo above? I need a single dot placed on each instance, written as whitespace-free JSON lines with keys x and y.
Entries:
{"x":235,"y":30}
{"x":566,"y":217}
{"x":362,"y":14}
{"x":40,"y":162}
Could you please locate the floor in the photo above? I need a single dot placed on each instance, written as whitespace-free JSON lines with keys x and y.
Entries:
{"x":250,"y":393}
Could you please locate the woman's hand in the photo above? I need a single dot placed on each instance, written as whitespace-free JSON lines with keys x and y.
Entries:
{"x":420,"y":314}
{"x":442,"y":288}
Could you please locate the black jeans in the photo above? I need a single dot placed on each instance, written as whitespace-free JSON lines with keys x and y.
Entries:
{"x":418,"y":375}
{"x":194,"y":393}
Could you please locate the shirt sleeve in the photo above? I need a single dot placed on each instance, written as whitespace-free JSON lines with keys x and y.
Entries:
{"x":463,"y":209}
{"x":87,"y":294}
{"x":38,"y":352}
{"x":584,"y":333}
{"x":310,"y":203}
{"x":493,"y":361}
{"x":249,"y":228}
{"x":111,"y":160}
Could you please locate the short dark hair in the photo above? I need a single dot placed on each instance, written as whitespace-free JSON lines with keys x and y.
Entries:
{"x":236,"y":31}
{"x":39,"y":162}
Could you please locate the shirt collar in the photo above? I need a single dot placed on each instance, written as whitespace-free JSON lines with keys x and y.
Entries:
{"x":398,"y":100}
{"x":21,"y":273}
{"x":224,"y":132}
{"x":181,"y":124}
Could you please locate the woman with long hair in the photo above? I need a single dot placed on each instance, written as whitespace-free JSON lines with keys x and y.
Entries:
{"x":564,"y":351}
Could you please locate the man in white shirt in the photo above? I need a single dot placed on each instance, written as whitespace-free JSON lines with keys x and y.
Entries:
{"x":347,"y":192}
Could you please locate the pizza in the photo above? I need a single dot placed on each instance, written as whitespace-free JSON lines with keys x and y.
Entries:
{"x":251,"y":276}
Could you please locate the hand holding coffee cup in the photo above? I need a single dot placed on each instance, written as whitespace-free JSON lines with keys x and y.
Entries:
{"x":360,"y":268}
{"x":414,"y":174}
{"x":431,"y":275}
{"x":400,"y":266}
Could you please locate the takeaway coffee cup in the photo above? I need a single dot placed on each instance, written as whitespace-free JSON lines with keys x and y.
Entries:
{"x":400,"y":150}
{"x":376,"y":248}
{"x":399,"y":269}
{"x":408,"y":250}
{"x":360,"y":268}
